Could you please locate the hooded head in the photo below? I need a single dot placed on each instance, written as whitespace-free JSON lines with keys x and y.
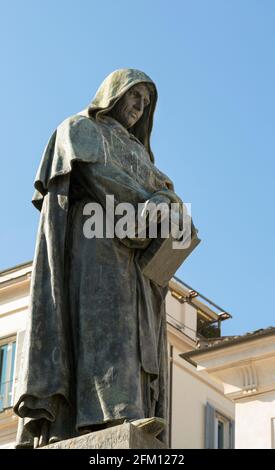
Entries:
{"x":113,"y":88}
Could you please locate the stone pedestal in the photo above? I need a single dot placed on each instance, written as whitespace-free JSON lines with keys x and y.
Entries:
{"x":124,"y":436}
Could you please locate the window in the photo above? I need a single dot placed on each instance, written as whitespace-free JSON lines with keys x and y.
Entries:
{"x":220,"y":434}
{"x":7,"y":359}
{"x":219,"y":429}
{"x":222,"y":431}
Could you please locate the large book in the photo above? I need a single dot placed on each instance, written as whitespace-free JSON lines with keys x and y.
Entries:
{"x":163,"y":257}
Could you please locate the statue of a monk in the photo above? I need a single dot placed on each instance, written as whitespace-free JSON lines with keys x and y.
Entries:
{"x":95,"y":352}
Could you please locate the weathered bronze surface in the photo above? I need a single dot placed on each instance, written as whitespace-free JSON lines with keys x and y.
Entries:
{"x":95,"y":351}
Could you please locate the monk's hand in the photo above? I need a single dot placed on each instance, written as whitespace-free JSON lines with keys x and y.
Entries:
{"x":155,"y":208}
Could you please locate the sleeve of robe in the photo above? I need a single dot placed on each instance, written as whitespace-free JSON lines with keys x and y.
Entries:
{"x":47,"y":351}
{"x":98,"y":180}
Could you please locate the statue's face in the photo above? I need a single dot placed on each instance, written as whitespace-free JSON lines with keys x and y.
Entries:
{"x":130,"y":107}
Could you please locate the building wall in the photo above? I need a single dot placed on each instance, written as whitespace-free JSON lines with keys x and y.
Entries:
{"x":192,"y":390}
{"x":8,"y":428}
{"x":259,"y":410}
{"x":14,"y":298}
{"x":184,"y":314}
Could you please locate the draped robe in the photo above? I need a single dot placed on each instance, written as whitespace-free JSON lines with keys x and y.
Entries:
{"x":95,"y":346}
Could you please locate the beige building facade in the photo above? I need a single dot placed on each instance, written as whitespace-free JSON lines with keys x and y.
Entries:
{"x":203,"y":399}
{"x":245,"y":366}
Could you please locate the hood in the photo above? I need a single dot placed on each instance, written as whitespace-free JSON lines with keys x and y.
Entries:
{"x":113,"y":88}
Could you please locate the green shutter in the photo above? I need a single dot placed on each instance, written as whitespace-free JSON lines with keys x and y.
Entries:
{"x":209,"y":427}
{"x":232,"y":434}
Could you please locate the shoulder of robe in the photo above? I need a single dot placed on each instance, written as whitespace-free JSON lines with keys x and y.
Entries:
{"x":80,"y":136}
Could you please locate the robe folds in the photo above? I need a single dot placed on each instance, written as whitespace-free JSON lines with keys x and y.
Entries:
{"x":95,"y":347}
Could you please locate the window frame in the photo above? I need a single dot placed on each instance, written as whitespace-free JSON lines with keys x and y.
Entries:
{"x":8,"y":390}
{"x":212,"y":418}
{"x":226,"y":430}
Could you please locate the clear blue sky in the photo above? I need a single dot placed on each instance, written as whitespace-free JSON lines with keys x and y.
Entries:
{"x":214,"y":65}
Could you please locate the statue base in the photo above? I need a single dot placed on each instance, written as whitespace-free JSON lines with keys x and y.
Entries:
{"x":123,"y":436}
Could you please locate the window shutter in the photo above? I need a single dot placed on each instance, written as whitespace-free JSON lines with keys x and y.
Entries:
{"x":232,"y":434}
{"x":209,"y":427}
{"x":18,"y":359}
{"x":3,"y":367}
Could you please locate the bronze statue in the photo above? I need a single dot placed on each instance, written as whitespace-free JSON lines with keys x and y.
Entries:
{"x":95,"y":351}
